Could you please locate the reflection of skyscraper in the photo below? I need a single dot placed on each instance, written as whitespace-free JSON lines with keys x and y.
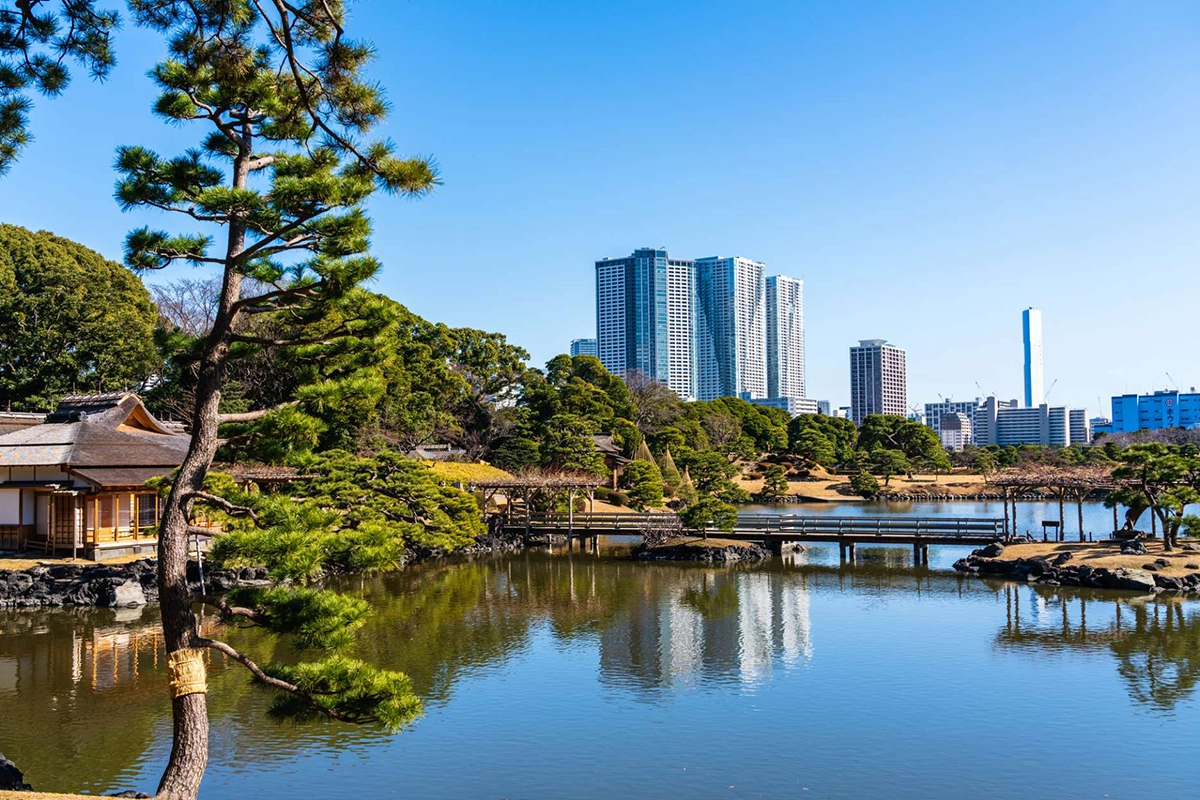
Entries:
{"x":793,"y":626}
{"x":755,"y":620}
{"x":1031,"y":324}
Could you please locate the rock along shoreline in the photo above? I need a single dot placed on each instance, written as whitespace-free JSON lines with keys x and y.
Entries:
{"x":135,"y":583}
{"x":1059,"y":571}
{"x":709,"y":554}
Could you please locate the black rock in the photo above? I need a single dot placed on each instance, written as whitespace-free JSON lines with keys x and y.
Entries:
{"x":11,"y":778}
{"x":1151,"y":567}
{"x":1133,"y":549}
{"x":128,"y":793}
{"x":1192,"y":566}
{"x":1162,"y":562}
{"x":1061,"y":559}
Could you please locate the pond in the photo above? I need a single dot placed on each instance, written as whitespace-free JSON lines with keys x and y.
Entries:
{"x":572,"y":675}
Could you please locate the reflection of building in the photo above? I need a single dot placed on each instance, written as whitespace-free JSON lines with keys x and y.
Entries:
{"x":740,"y":625}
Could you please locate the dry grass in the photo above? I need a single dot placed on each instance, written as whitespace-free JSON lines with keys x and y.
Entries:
{"x":700,"y":541}
{"x":462,"y":471}
{"x":44,"y":796}
{"x":826,"y":488}
{"x":1107,"y":554}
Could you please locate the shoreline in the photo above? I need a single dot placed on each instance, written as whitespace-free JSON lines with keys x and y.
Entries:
{"x":1123,"y":566}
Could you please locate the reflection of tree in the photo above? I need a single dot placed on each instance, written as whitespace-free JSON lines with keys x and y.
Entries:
{"x":712,"y":602}
{"x":1158,"y":656}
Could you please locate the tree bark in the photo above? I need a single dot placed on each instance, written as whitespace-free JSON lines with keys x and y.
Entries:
{"x":189,"y":751}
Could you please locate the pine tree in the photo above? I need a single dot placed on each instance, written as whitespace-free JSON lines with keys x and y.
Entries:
{"x":670,"y":472}
{"x":687,"y":491}
{"x":36,"y":39}
{"x":282,"y":167}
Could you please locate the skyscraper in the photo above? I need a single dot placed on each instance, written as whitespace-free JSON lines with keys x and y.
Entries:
{"x":785,"y":337}
{"x":644,"y":318}
{"x":730,"y":328}
{"x":1031,"y":323}
{"x":878,"y":380}
{"x":583,"y":347}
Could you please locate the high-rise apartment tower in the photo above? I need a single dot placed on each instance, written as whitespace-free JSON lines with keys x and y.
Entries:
{"x":878,"y":380}
{"x":730,"y":328}
{"x":785,"y":337}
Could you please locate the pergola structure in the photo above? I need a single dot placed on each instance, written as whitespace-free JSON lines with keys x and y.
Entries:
{"x":539,"y":485}
{"x":1066,"y":483}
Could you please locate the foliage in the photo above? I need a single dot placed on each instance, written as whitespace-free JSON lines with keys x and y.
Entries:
{"x":457,"y":471}
{"x":670,"y":472}
{"x":36,"y":39}
{"x":345,"y":689}
{"x":711,"y":473}
{"x":775,"y":484}
{"x":916,"y":442}
{"x":864,"y":484}
{"x":822,"y":440}
{"x":1161,"y":478}
{"x":709,"y":513}
{"x":888,"y":463}
{"x":70,"y":321}
{"x":643,"y":484}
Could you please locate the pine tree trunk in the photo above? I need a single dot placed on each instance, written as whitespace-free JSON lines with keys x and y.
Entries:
{"x":189,"y":750}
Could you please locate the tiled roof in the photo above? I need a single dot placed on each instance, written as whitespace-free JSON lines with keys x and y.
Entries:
{"x":96,"y":431}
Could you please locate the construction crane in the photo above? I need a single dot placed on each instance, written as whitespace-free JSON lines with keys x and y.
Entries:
{"x":1172,"y":380}
{"x":1046,"y":394}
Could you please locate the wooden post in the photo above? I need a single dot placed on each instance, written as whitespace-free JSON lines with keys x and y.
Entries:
{"x":1079,"y":501}
{"x":1006,"y":512}
{"x":1061,"y":517}
{"x":1115,"y":526}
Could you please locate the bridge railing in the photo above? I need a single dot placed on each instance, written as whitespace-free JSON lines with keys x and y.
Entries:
{"x":793,"y":524}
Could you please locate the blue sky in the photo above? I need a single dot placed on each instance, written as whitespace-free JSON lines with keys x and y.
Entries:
{"x":929,"y":169}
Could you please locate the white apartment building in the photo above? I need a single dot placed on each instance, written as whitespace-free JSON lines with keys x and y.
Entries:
{"x":730,"y":328}
{"x":954,"y":430}
{"x":785,"y":337}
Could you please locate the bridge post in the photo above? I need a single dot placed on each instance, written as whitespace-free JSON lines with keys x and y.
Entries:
{"x":850,"y":551}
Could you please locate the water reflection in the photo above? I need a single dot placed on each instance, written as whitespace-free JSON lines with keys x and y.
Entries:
{"x":83,"y":702}
{"x":1155,"y":641}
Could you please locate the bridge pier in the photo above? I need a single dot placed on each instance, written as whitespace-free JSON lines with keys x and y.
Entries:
{"x":847,"y":551}
{"x":920,"y":554}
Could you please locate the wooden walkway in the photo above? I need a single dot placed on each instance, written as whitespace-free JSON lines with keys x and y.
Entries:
{"x":777,"y":530}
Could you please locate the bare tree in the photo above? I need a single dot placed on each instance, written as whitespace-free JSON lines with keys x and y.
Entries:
{"x":188,"y":305}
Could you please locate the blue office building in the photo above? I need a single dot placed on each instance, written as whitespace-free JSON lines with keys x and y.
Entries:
{"x":645,"y":318}
{"x":1162,"y":409}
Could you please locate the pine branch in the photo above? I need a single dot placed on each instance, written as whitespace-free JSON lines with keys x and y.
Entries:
{"x":251,"y":416}
{"x":275,"y":683}
{"x":225,"y":505}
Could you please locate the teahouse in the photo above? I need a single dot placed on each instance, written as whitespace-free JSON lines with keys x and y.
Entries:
{"x":75,"y":483}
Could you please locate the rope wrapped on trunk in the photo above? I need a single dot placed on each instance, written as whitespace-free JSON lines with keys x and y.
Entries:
{"x":186,"y":673}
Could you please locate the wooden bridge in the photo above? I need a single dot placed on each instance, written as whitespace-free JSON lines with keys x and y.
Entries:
{"x":775,"y":531}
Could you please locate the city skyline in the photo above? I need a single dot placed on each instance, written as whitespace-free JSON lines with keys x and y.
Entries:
{"x":928,"y":196}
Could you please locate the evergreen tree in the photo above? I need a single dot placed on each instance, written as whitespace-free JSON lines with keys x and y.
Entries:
{"x":776,"y":483}
{"x":282,"y":167}
{"x":643,"y":453}
{"x":670,"y":472}
{"x":36,"y":40}
{"x":687,"y":490}
{"x":709,"y":513}
{"x":71,"y":321}
{"x":643,"y":484}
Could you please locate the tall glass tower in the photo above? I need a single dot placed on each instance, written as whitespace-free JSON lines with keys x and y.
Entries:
{"x":645,"y":318}
{"x":731,"y":359}
{"x":1031,"y":323}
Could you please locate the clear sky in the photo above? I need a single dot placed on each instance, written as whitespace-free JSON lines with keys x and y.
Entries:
{"x":929,"y":169}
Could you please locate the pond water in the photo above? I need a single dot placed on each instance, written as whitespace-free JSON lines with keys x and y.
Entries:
{"x":572,"y":675}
